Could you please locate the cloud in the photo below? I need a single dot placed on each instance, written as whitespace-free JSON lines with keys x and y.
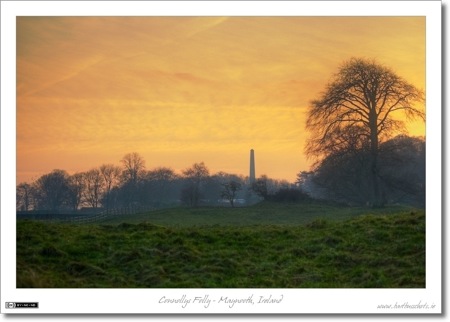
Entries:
{"x":202,"y":24}
{"x":93,"y":88}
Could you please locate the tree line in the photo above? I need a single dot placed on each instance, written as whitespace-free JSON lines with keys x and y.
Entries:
{"x":131,"y":184}
{"x":344,"y":177}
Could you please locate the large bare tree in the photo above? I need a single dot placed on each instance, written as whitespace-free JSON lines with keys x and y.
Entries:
{"x":357,"y":110}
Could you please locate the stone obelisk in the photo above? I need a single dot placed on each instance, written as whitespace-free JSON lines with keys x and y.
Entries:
{"x":252,"y":167}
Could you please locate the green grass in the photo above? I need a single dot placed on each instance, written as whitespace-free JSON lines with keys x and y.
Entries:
{"x":266,"y":213}
{"x":264,"y":249}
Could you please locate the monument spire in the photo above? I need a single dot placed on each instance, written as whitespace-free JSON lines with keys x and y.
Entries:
{"x":252,"y":166}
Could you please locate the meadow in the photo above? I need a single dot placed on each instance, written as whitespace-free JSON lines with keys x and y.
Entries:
{"x":268,"y":245}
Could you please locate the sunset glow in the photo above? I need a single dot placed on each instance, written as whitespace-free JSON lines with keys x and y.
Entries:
{"x":180,"y":90}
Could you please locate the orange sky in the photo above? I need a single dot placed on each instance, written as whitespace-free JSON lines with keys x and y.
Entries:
{"x":180,"y":90}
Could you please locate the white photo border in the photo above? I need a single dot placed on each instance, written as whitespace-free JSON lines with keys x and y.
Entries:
{"x":294,"y":301}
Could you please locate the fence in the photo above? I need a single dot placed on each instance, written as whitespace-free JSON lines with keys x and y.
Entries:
{"x":87,"y":218}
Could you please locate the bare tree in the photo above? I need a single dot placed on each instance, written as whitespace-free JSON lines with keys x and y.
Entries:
{"x":110,"y":174}
{"x":230,"y":190}
{"x":194,"y":176}
{"x":93,"y":182}
{"x":357,"y":109}
{"x":76,"y":189}
{"x":158,"y":183}
{"x":24,"y":197}
{"x":134,"y":165}
{"x":260,"y":187}
{"x":133,"y":172}
{"x":52,"y":190}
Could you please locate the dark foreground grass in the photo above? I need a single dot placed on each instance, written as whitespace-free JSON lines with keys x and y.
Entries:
{"x":373,"y":251}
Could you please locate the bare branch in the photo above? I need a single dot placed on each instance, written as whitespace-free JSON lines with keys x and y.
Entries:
{"x":360,"y":99}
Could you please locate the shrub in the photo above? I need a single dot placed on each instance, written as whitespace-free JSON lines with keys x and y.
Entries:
{"x":290,"y":195}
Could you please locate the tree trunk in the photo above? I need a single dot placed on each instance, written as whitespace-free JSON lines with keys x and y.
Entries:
{"x":376,"y":192}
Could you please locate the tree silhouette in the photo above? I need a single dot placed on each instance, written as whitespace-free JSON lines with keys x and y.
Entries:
{"x":134,"y":165}
{"x":356,"y":110}
{"x":342,"y":176}
{"x":94,"y":184}
{"x":110,"y":174}
{"x":260,"y":187}
{"x":76,"y":188}
{"x":230,"y":190}
{"x":24,"y":197}
{"x":404,"y":181}
{"x":134,"y":170}
{"x":158,"y":183}
{"x":194,"y":176}
{"x":52,"y":190}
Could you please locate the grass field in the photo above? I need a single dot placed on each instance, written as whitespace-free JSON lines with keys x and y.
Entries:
{"x":266,"y":213}
{"x":264,"y":246}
